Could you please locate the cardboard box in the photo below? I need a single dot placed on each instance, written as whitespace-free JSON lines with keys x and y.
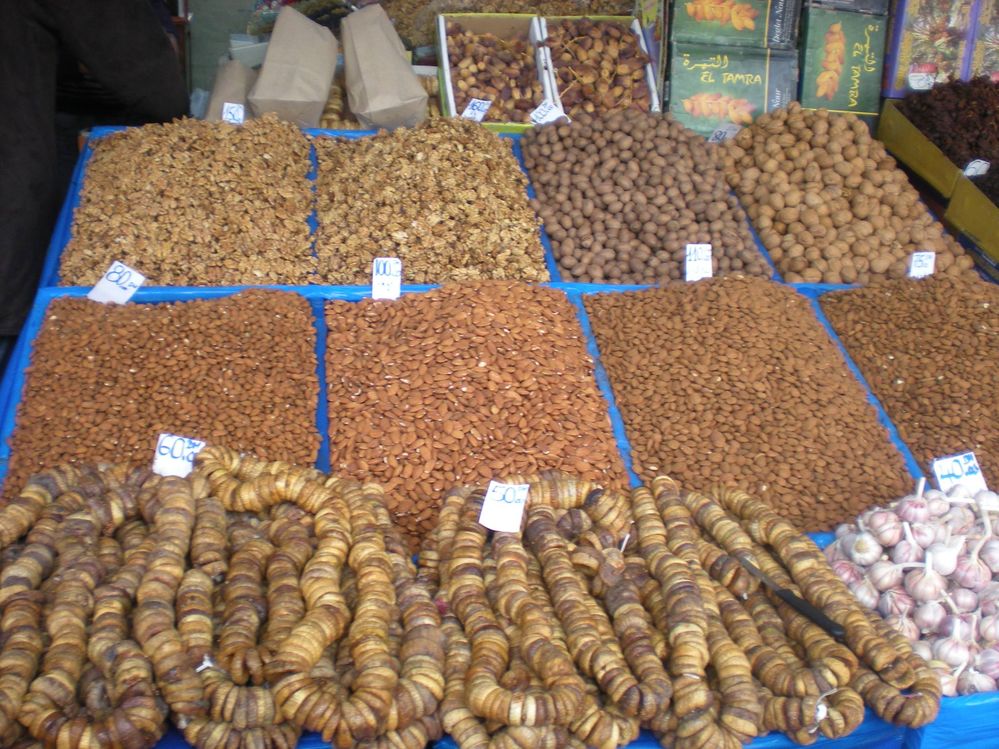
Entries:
{"x":907,"y":143}
{"x":842,"y":59}
{"x":985,"y":55}
{"x":714,"y":87}
{"x":740,"y":23}
{"x":504,"y":26}
{"x":972,"y":213}
{"x":930,"y":42}
{"x":636,"y":29}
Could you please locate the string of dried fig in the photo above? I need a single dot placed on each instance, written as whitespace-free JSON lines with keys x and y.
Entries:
{"x":70,"y":674}
{"x":352,"y":645}
{"x":873,"y":666}
{"x":548,"y":640}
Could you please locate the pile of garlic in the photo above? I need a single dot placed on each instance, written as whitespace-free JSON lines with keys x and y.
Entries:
{"x":929,"y":563}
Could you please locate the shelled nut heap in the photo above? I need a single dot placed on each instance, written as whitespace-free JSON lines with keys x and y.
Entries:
{"x":734,"y":380}
{"x":929,"y":351}
{"x":106,"y":380}
{"x":195,"y":203}
{"x":459,"y":385}
{"x":448,"y":198}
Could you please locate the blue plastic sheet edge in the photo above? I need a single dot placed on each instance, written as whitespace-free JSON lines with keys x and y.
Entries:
{"x":64,"y":223}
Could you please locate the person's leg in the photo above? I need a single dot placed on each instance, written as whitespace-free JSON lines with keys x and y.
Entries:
{"x":28,"y":204}
{"x":123,"y":46}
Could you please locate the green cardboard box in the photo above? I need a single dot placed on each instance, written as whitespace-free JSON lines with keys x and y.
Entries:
{"x":714,"y":87}
{"x":842,"y":59}
{"x":741,"y":23}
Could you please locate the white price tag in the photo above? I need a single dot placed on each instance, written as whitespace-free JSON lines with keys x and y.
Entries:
{"x":959,"y":469}
{"x":977,"y":168}
{"x":725,"y":132}
{"x":233,"y":113}
{"x":117,"y":285}
{"x":476,"y":109}
{"x":386,"y":278}
{"x":175,"y":455}
{"x":698,"y":263}
{"x":922,"y":264}
{"x":546,"y":112}
{"x":921,"y":81}
{"x":503,"y":506}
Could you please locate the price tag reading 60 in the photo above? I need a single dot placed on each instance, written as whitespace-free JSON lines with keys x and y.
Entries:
{"x":503,"y":506}
{"x":175,"y":455}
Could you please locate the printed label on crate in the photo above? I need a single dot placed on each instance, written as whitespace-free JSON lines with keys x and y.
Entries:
{"x":547,"y":111}
{"x":698,"y":262}
{"x":959,"y":469}
{"x":233,"y":113}
{"x":386,"y":278}
{"x":725,"y":132}
{"x":977,"y":168}
{"x":503,"y":506}
{"x":922,"y":264}
{"x":920,"y":79}
{"x":476,"y":109}
{"x":117,"y":285}
{"x":175,"y":455}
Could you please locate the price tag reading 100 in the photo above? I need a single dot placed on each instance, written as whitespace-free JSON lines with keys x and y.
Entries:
{"x":503,"y":506}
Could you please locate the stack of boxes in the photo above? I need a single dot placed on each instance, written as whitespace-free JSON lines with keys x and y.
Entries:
{"x":842,"y":55}
{"x":730,"y":61}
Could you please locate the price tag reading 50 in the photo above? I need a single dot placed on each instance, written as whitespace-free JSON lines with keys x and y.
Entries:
{"x":959,"y":469}
{"x":503,"y":506}
{"x":175,"y":455}
{"x":117,"y":284}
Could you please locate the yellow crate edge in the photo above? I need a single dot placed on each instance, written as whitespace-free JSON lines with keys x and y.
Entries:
{"x":971,"y":212}
{"x":908,"y":144}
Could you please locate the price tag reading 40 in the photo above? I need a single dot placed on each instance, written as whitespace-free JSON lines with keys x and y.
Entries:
{"x":175,"y":455}
{"x":503,"y":506}
{"x":386,"y":278}
{"x":959,"y":469}
{"x":117,"y":285}
{"x":698,"y":262}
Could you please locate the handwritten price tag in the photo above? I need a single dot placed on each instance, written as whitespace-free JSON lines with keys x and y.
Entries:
{"x":959,"y":469}
{"x":922,"y":264}
{"x":503,"y":506}
{"x":386,"y":278}
{"x":233,"y":113}
{"x":476,"y":109}
{"x":546,"y":112}
{"x":725,"y":132}
{"x":175,"y":455}
{"x":117,"y":285}
{"x":698,"y":262}
{"x":977,"y":168}
{"x":921,"y":81}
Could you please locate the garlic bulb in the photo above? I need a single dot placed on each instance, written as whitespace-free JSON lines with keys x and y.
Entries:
{"x":929,"y":615}
{"x":965,"y":599}
{"x":913,"y":509}
{"x":886,"y":527}
{"x":864,"y":549}
{"x":884,"y":575}
{"x":896,"y":602}
{"x":925,"y":584}
{"x":973,"y":682}
{"x":865,"y":593}
{"x":988,"y":628}
{"x":904,"y":626}
{"x":907,"y":550}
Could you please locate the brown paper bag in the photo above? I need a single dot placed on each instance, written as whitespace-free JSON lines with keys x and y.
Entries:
{"x":382,"y":89}
{"x":233,"y":81}
{"x":297,"y":72}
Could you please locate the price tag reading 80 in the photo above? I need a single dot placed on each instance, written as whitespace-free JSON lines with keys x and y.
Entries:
{"x":959,"y":469}
{"x":117,"y":285}
{"x":503,"y":506}
{"x":175,"y":455}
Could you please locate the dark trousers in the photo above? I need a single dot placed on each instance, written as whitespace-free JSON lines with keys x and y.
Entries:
{"x":122,"y":45}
